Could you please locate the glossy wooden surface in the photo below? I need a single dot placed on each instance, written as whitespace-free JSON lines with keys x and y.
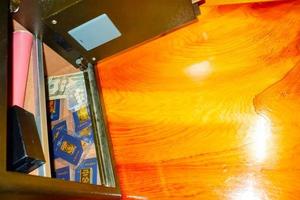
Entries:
{"x":211,"y":110}
{"x":222,"y":2}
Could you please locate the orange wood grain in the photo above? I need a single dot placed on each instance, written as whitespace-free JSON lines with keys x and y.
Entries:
{"x":211,"y":110}
{"x":222,"y":2}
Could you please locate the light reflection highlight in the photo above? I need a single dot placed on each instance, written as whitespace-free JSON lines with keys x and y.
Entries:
{"x":199,"y":71}
{"x":260,"y":134}
{"x":249,"y":191}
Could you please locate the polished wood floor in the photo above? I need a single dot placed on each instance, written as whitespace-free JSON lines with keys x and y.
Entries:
{"x":210,"y":111}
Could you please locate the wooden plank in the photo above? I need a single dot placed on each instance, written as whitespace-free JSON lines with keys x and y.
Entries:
{"x":19,"y":186}
{"x":211,"y":110}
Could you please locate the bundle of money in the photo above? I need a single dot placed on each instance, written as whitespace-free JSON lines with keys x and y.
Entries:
{"x":70,"y":87}
{"x":72,"y":133}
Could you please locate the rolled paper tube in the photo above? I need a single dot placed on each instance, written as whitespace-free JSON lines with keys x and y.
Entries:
{"x":22,"y":44}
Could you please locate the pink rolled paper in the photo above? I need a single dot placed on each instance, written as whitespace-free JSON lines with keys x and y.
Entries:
{"x":22,"y":44}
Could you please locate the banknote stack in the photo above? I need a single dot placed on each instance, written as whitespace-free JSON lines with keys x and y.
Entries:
{"x":72,"y":136}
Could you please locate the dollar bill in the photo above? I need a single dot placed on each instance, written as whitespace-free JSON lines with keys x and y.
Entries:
{"x":57,"y":87}
{"x":70,"y":87}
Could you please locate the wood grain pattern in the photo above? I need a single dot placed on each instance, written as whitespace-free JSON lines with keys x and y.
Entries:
{"x":222,"y":2}
{"x":210,"y":111}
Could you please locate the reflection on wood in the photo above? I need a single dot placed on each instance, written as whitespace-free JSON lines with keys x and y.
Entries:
{"x":209,"y":111}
